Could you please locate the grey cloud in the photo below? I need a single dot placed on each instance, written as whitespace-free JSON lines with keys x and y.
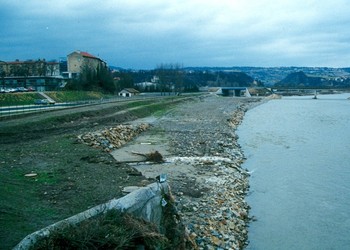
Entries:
{"x":143,"y":34}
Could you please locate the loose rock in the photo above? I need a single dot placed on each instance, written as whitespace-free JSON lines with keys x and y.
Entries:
{"x":112,"y":138}
{"x":204,"y":136}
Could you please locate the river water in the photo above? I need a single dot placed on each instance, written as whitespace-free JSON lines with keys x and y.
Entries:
{"x":298,"y":153}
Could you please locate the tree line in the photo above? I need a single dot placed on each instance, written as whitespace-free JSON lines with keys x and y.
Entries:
{"x":165,"y":78}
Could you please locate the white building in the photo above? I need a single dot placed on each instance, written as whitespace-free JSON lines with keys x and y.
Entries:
{"x":128,"y":92}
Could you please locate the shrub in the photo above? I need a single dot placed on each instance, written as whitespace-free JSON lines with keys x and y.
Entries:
{"x":112,"y":230}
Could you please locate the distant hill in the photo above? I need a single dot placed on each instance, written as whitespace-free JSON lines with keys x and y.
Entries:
{"x":219,"y":79}
{"x":194,"y":78}
{"x":270,"y":76}
{"x":116,"y":68}
{"x":300,"y":79}
{"x":248,"y":76}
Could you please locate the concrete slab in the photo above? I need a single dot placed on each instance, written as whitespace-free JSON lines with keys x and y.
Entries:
{"x":145,"y":143}
{"x":148,"y":142}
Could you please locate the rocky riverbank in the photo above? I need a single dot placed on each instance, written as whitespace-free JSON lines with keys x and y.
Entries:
{"x":211,"y":199}
{"x":202,"y":161}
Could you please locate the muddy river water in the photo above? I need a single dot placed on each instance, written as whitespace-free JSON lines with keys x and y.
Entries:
{"x":298,"y":153}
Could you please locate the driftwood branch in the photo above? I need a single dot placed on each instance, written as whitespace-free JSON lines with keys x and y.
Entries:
{"x":153,"y":156}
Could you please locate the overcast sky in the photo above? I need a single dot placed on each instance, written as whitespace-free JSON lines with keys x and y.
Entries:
{"x":143,"y":34}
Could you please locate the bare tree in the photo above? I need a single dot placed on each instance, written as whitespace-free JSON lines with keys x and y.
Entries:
{"x":170,"y":77}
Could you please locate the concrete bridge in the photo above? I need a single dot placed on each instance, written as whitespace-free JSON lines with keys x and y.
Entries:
{"x":235,"y":91}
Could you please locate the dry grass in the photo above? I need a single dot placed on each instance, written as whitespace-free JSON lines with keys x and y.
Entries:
{"x":113,"y":230}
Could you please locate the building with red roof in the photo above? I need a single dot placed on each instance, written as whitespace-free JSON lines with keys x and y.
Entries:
{"x":44,"y":75}
{"x":77,"y":60}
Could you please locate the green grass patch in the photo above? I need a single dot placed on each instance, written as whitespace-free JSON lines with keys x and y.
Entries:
{"x":75,"y":96}
{"x":155,"y":108}
{"x":161,"y":112}
{"x":71,"y":177}
{"x":138,"y":103}
{"x":21,"y":206}
{"x":149,"y":110}
{"x":12,"y":99}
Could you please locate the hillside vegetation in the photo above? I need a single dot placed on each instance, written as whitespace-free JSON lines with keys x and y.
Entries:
{"x":300,"y":79}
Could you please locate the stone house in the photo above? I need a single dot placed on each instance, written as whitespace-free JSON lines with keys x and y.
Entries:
{"x":77,"y":60}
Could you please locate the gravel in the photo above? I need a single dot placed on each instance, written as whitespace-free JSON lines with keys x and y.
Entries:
{"x":211,"y":200}
{"x":203,"y":163}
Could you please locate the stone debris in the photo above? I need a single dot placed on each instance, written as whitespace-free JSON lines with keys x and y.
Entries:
{"x":112,"y":138}
{"x":211,"y":202}
{"x":237,"y":116}
{"x":198,"y":160}
{"x":219,"y":217}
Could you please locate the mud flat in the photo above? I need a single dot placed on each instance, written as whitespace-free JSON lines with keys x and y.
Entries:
{"x":202,"y":162}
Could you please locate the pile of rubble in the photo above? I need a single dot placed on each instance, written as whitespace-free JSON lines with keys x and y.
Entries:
{"x":211,"y":200}
{"x":218,"y":219}
{"x":210,"y":196}
{"x":112,"y":138}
